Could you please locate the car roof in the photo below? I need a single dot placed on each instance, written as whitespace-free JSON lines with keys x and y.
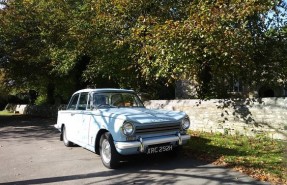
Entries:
{"x":104,"y":90}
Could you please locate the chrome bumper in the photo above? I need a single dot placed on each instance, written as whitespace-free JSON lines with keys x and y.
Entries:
{"x":142,"y":143}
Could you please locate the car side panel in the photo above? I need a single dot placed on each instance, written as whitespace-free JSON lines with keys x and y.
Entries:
{"x":113,"y":125}
{"x":65,"y":118}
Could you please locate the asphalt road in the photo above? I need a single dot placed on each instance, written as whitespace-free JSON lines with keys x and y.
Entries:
{"x":31,"y":153}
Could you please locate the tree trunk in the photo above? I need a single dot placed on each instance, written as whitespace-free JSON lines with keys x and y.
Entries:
{"x":50,"y":93}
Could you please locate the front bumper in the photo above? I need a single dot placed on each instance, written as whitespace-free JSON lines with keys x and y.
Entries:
{"x":140,"y":145}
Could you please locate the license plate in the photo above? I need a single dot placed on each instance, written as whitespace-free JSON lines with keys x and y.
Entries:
{"x":159,"y":149}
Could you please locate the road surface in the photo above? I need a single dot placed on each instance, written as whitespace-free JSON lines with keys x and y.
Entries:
{"x":31,"y":153}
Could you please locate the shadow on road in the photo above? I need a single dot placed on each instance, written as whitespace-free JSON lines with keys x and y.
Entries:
{"x":26,"y":127}
{"x":24,"y":120}
{"x":151,"y":170}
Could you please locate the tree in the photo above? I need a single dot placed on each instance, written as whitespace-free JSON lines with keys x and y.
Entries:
{"x":37,"y":52}
{"x":212,"y":45}
{"x":144,"y":45}
{"x":269,"y":46}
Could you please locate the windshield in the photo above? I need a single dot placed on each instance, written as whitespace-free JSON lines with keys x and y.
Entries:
{"x":101,"y":100}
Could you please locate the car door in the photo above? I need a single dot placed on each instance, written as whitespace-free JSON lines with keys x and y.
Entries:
{"x":78,"y":118}
{"x":69,"y":118}
{"x":83,"y":118}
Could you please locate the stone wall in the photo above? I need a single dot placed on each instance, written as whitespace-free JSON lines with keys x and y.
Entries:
{"x":230,"y":116}
{"x":249,"y":117}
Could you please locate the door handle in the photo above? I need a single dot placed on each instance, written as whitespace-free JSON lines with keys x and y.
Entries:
{"x":72,"y":114}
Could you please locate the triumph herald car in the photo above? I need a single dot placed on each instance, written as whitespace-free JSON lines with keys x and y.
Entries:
{"x":115,"y":123}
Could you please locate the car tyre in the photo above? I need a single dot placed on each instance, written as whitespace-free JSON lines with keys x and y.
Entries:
{"x":109,"y":155}
{"x":65,"y":139}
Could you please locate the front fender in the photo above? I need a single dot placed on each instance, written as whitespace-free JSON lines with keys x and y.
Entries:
{"x":109,"y":124}
{"x":113,"y":126}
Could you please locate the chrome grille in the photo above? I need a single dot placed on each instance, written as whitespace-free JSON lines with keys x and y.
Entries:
{"x":157,"y":128}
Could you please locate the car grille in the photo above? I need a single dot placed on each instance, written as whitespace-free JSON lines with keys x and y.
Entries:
{"x":157,"y":128}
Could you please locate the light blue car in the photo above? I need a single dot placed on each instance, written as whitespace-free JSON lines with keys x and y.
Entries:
{"x":115,"y":123}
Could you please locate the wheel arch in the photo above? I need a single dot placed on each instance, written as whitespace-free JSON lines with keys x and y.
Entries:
{"x":61,"y":135}
{"x":98,"y":138}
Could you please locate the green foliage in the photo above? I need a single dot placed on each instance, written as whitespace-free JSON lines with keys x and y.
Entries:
{"x":3,"y":91}
{"x":41,"y":100}
{"x":141,"y":44}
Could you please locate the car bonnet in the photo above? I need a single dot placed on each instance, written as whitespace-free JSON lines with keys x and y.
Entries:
{"x":143,"y":115}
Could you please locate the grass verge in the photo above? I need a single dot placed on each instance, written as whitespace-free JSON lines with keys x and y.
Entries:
{"x":261,"y":157}
{"x":6,"y":113}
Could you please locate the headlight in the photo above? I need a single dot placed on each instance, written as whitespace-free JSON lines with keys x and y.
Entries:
{"x":128,"y":128}
{"x":185,"y":123}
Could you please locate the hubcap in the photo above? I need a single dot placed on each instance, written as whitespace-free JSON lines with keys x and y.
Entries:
{"x":106,"y":151}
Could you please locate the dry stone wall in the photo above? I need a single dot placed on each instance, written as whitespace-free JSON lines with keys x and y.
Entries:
{"x":249,"y":117}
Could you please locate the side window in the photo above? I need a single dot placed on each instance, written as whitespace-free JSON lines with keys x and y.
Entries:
{"x":73,"y":102}
{"x":83,"y":101}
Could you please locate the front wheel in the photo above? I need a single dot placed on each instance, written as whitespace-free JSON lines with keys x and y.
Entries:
{"x":109,"y":155}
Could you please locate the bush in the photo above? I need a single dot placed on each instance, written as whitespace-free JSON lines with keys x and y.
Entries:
{"x":41,"y":100}
{"x":3,"y":102}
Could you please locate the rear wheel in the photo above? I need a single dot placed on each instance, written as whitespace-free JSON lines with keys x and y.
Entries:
{"x":108,"y":152}
{"x":66,"y":141}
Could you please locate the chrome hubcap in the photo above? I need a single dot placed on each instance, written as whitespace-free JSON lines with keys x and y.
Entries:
{"x":106,"y":151}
